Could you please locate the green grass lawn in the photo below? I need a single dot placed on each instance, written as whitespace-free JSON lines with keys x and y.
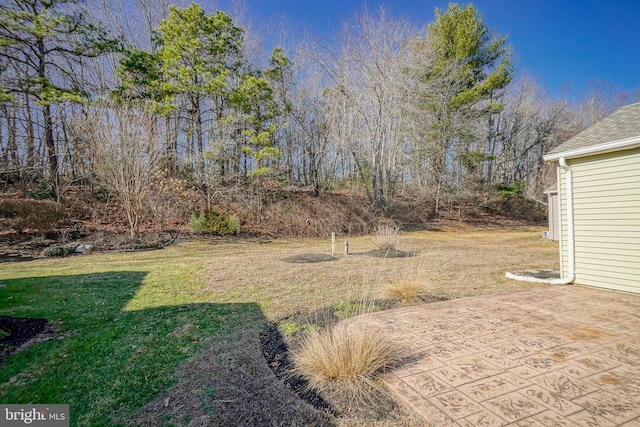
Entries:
{"x":123,"y":325}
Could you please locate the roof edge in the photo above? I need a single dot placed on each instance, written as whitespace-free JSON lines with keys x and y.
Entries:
{"x":622,"y":144}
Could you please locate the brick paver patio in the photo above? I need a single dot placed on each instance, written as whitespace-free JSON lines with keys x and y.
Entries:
{"x":553,"y":356}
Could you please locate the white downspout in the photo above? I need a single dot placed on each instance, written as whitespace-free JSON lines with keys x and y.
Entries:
{"x":571,"y":241}
{"x":570,"y":236}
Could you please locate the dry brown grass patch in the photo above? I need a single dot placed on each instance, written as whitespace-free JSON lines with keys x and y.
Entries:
{"x":345,"y":362}
{"x":405,"y":291}
{"x":448,"y":264}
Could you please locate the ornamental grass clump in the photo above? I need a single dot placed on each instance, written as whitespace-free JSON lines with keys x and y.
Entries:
{"x":386,"y":237}
{"x":345,"y":362}
{"x":405,"y":291}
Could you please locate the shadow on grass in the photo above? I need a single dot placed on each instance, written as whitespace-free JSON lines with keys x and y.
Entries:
{"x":164,"y":365}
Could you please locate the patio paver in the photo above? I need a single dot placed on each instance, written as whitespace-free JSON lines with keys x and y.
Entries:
{"x":560,"y":355}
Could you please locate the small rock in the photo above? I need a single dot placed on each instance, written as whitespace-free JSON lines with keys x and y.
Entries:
{"x":166,"y":402}
{"x":83,"y":249}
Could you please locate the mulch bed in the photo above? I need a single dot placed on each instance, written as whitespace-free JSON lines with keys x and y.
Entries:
{"x":390,"y":253}
{"x":20,"y":331}
{"x":276,"y":353}
{"x":540,"y":274}
{"x":312,"y":258}
{"x":309,"y":258}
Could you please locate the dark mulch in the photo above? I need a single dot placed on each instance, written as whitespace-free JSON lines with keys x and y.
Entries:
{"x":309,"y":258}
{"x":540,"y":274}
{"x":4,"y":257}
{"x":276,"y":353}
{"x":390,"y":253}
{"x":18,"y":331}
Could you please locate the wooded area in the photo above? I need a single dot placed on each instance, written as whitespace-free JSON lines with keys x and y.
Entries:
{"x":154,"y":104}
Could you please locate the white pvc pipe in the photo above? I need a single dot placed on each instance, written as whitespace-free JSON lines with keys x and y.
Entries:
{"x":571,"y":242}
{"x":570,"y":237}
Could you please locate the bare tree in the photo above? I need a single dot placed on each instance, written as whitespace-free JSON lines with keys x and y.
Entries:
{"x":365,"y":96}
{"x":597,"y":99}
{"x":531,"y":124}
{"x":128,"y":150}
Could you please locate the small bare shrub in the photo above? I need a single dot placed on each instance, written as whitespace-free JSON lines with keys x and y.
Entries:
{"x":345,"y":362}
{"x":405,"y":291}
{"x":128,"y":151}
{"x":386,"y":237}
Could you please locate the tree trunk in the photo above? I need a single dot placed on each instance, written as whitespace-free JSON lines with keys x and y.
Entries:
{"x":377,"y":182}
{"x":12,"y":143}
{"x":4,"y":152}
{"x":172,"y":147}
{"x":49,"y":142}
{"x":199,"y":139}
{"x":30,"y":136}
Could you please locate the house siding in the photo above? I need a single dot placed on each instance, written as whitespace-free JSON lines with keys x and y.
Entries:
{"x":606,"y":191}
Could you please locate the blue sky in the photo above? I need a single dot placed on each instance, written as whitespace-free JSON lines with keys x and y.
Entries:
{"x":558,"y":41}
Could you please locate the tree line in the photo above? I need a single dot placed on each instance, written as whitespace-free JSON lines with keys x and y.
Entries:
{"x":125,"y":95}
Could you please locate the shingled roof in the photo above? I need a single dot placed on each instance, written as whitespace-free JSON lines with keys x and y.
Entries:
{"x":620,"y":130}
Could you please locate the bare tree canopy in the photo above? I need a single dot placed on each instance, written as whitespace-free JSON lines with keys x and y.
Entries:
{"x":438,"y":113}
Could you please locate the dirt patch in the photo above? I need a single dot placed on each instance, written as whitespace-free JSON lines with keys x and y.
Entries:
{"x":231,"y":385}
{"x":15,"y":333}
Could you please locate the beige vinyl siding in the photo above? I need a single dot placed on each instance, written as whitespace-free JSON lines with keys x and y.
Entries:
{"x":606,"y":190}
